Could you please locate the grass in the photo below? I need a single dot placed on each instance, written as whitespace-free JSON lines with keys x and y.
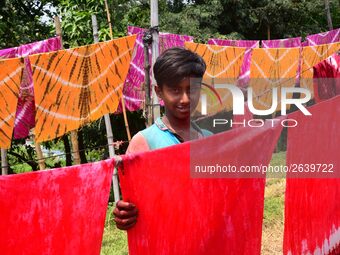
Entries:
{"x":273,"y":218}
{"x":115,"y":241}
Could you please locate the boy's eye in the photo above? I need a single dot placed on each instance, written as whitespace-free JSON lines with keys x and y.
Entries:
{"x":175,"y":90}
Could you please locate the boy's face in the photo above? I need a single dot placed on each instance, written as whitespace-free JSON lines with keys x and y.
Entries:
{"x":179,"y":99}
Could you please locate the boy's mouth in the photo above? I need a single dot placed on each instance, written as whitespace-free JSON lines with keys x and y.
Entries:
{"x":183,"y":109}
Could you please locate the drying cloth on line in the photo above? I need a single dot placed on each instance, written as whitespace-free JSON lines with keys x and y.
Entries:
{"x":9,"y":53}
{"x":235,"y":43}
{"x":285,"y":43}
{"x":25,"y":113}
{"x":327,"y":78}
{"x":59,"y":211}
{"x":10,"y":78}
{"x":76,"y":86}
{"x":312,"y":211}
{"x":243,"y":79}
{"x":223,"y":66}
{"x":312,"y":55}
{"x":24,"y":119}
{"x":272,"y":68}
{"x":332,"y":36}
{"x":133,"y":90}
{"x":282,"y":43}
{"x":181,"y":214}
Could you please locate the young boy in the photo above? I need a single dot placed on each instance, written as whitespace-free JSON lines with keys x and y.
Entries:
{"x":173,"y":71}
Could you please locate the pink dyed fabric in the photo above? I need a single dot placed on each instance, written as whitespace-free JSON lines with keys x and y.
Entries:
{"x":133,"y":94}
{"x":9,"y":53}
{"x":324,"y":38}
{"x":282,"y":43}
{"x":24,"y":119}
{"x":243,"y":80}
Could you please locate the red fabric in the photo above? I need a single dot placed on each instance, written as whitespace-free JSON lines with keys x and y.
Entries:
{"x":248,"y":115}
{"x":60,"y":211}
{"x":312,"y":208}
{"x":327,"y":78}
{"x":179,"y":214}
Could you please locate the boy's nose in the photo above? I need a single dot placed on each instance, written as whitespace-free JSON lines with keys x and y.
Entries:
{"x":185,"y":98}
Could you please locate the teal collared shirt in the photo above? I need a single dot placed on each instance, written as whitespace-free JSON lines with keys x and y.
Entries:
{"x":159,"y":135}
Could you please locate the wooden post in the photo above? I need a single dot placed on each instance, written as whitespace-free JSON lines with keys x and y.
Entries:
{"x":155,"y":53}
{"x":4,"y":164}
{"x":147,"y":85}
{"x":122,"y":98}
{"x":109,"y":133}
{"x":328,"y":14}
{"x":40,"y":155}
{"x":74,"y":134}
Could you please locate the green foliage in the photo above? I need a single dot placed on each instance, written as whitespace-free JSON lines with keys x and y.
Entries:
{"x":77,"y":24}
{"x":20,"y":21}
{"x":198,"y":20}
{"x":284,"y":18}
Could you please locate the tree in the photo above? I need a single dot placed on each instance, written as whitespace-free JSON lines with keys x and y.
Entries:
{"x":20,"y":21}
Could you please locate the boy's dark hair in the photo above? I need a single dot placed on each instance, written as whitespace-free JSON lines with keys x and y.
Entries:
{"x":174,"y":64}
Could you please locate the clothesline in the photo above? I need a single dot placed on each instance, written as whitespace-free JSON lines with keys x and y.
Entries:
{"x":115,"y":144}
{"x":163,"y":36}
{"x":131,"y":89}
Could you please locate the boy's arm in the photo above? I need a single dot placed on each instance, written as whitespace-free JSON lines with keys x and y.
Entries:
{"x":126,"y":213}
{"x":137,"y":144}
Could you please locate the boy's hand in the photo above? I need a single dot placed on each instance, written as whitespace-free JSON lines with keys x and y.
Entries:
{"x":125,"y":215}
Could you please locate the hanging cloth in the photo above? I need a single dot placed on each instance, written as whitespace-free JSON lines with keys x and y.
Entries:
{"x":312,"y":211}
{"x":10,"y":78}
{"x":59,"y":211}
{"x":185,"y":212}
{"x":76,"y":86}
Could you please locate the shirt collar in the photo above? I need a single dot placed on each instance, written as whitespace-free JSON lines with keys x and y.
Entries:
{"x":160,"y":124}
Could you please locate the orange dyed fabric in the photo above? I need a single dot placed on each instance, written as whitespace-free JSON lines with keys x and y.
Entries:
{"x":76,"y":86}
{"x":223,"y":66}
{"x":272,"y":68}
{"x":10,"y":78}
{"x":312,"y":55}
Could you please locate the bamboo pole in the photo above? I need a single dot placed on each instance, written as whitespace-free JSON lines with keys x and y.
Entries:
{"x":109,"y":133}
{"x":155,"y":53}
{"x":40,"y":155}
{"x":122,"y":98}
{"x":74,"y":134}
{"x":4,"y":163}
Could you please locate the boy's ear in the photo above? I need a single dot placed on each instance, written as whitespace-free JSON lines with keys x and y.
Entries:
{"x":158,"y":91}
